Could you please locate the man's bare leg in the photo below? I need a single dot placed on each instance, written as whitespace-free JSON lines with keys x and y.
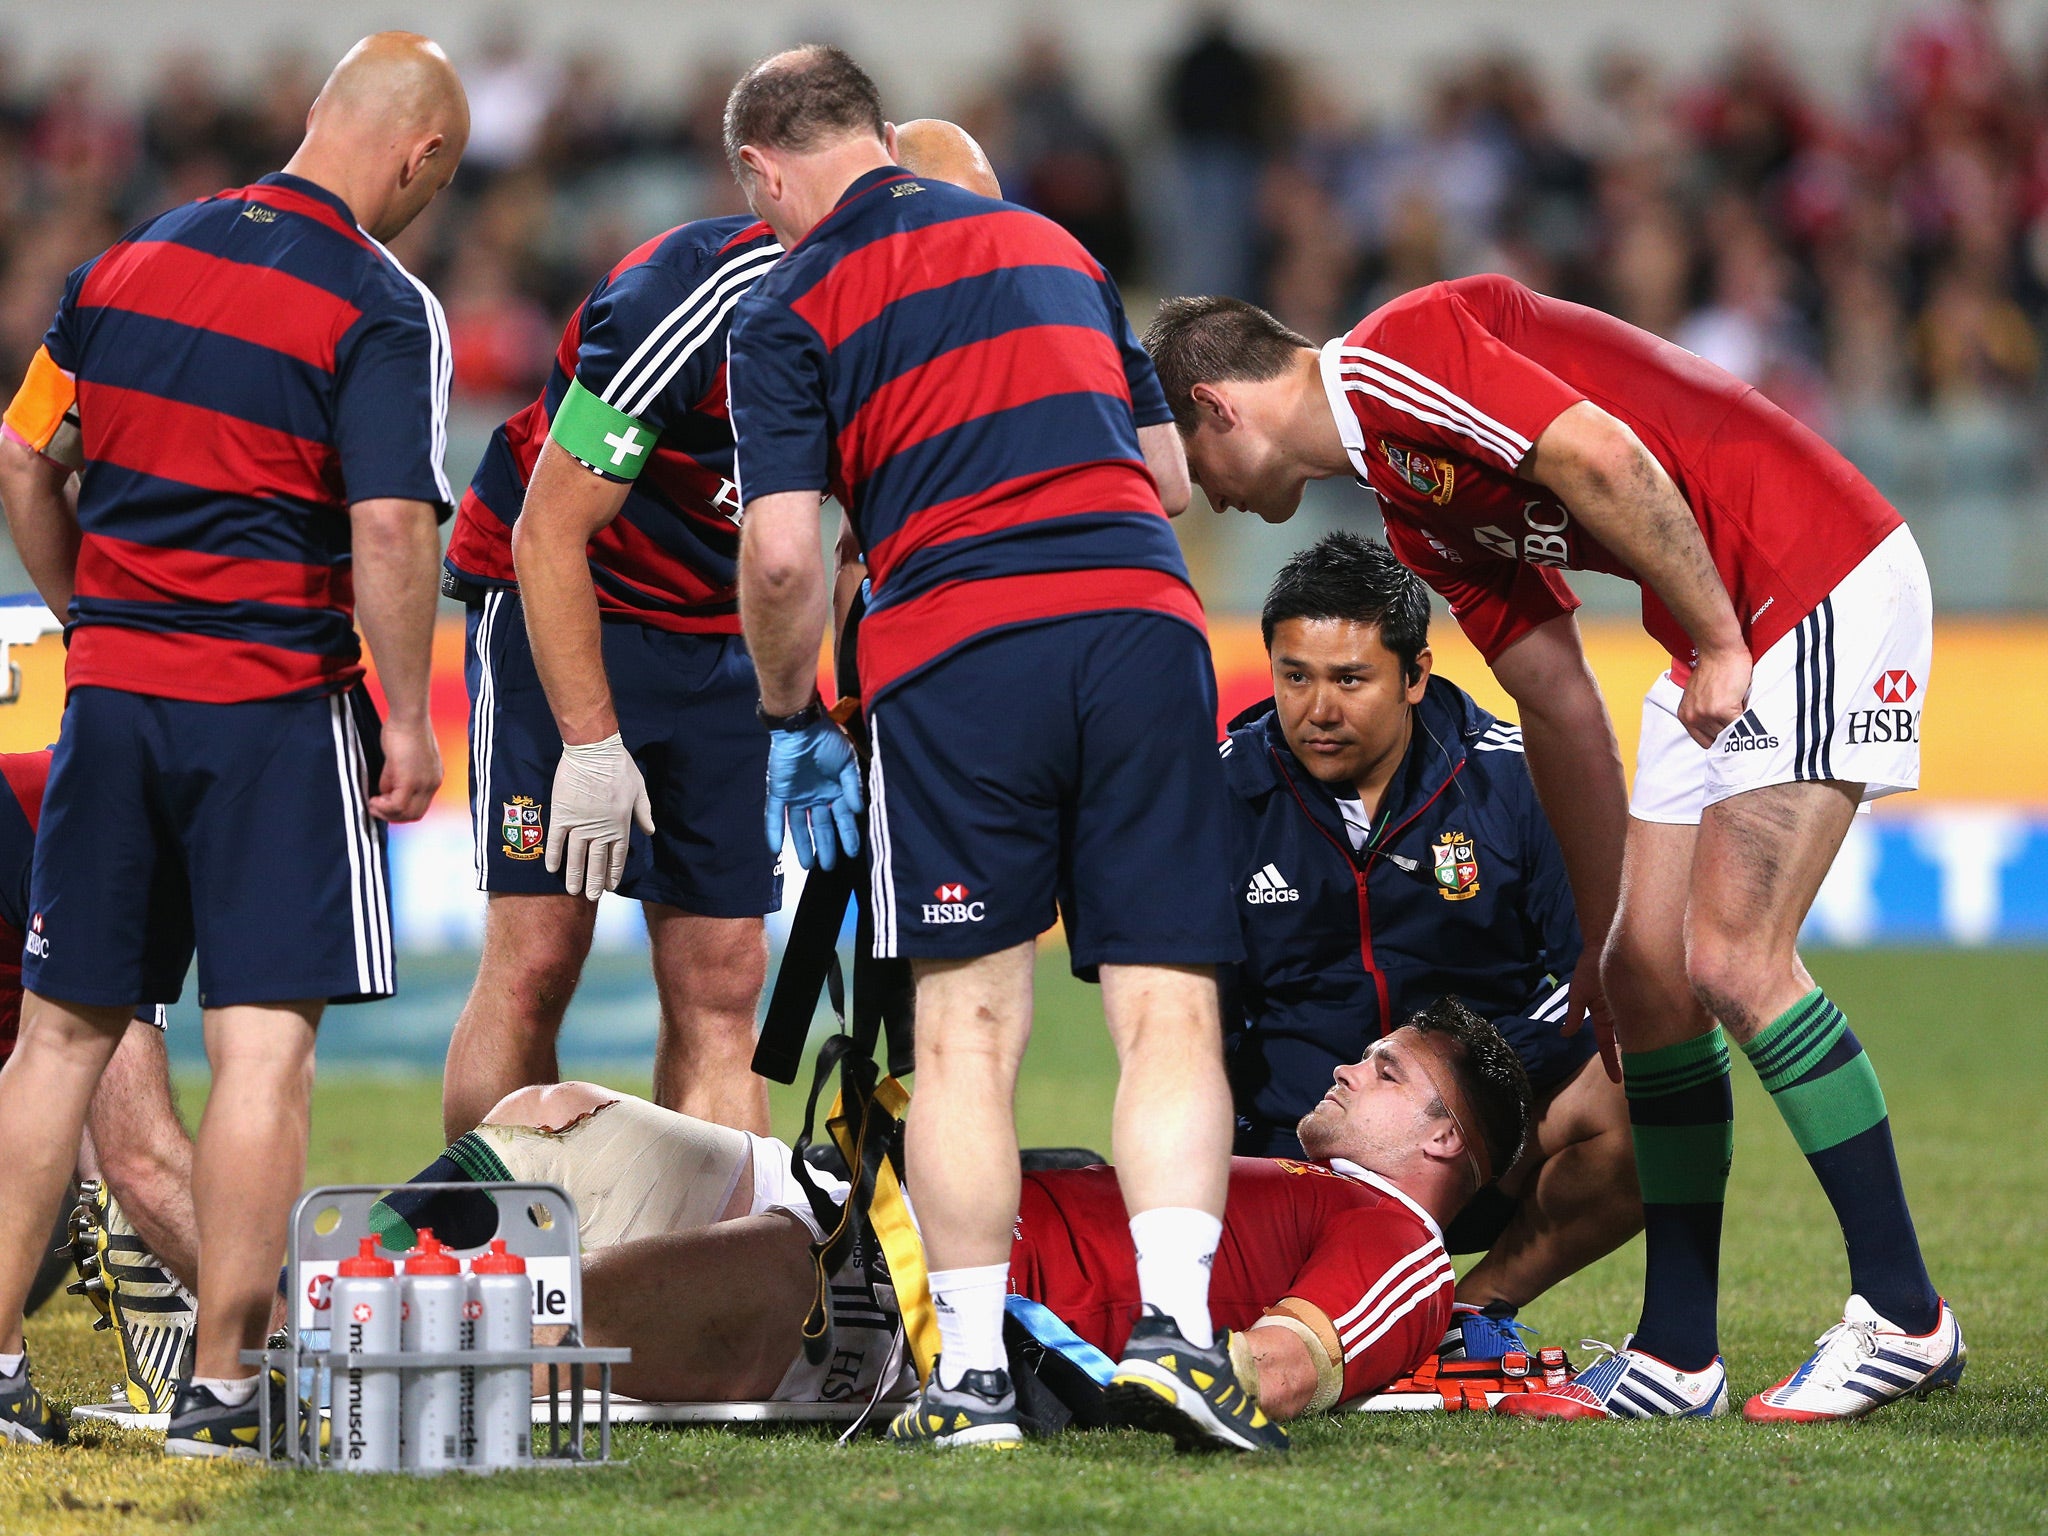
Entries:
{"x":44,"y":1090}
{"x":534,"y":949}
{"x":249,"y":1169}
{"x":714,"y":1314}
{"x":1171,"y":1131}
{"x":709,"y":972}
{"x":1576,"y":1188}
{"x":137,"y":1143}
{"x":960,"y":1143}
{"x":1760,"y":862}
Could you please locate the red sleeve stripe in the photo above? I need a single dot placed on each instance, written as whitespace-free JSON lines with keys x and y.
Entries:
{"x":1429,"y":402}
{"x":904,"y":636}
{"x":867,"y":281}
{"x":195,"y":446}
{"x":1031,"y":363}
{"x":1409,"y":1291}
{"x":287,"y":200}
{"x":1065,"y":491}
{"x":145,"y":573}
{"x":202,"y":668}
{"x":256,"y":304}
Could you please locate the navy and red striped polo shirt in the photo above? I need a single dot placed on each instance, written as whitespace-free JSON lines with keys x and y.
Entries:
{"x":245,"y":368}
{"x":649,"y":341}
{"x":960,"y":374}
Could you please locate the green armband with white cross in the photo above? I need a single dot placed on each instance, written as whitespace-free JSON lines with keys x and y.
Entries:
{"x":601,"y":436}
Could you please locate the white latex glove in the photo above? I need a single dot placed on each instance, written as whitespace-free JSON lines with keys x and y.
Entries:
{"x":599,"y":798}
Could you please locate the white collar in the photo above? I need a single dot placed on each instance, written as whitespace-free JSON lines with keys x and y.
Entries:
{"x":1348,"y":429}
{"x":1351,"y":1170}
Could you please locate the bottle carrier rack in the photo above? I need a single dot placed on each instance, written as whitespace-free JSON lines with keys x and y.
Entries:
{"x":538,"y":1223}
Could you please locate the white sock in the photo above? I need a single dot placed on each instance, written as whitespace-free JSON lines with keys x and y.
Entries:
{"x":1176,"y":1252}
{"x":10,"y":1365}
{"x":233,"y":1391}
{"x":969,"y":1304}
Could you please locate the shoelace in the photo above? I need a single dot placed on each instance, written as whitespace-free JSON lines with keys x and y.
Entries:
{"x":1840,"y":1353}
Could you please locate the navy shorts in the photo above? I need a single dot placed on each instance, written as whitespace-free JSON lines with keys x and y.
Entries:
{"x":241,"y":829}
{"x":1066,"y":768}
{"x":686,"y":712}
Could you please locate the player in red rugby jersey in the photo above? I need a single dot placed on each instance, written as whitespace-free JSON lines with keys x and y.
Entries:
{"x":1331,"y":1274}
{"x":1510,"y":437}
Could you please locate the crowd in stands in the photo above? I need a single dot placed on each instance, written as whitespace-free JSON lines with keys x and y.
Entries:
{"x":1878,"y":253}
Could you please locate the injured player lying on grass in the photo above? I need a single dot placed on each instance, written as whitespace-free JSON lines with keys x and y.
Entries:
{"x":1332,"y":1273}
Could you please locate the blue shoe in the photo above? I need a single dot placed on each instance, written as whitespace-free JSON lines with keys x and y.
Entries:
{"x":1490,"y":1333}
{"x":1627,"y":1384}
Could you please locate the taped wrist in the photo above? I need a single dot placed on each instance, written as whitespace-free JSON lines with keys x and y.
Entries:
{"x":601,"y":437}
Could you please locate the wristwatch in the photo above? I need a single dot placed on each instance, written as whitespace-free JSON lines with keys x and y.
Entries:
{"x":803,"y":719}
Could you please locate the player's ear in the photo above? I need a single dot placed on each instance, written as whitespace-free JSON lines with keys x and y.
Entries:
{"x":889,"y":143}
{"x":1418,"y":675}
{"x":1214,"y":407}
{"x":415,"y":162}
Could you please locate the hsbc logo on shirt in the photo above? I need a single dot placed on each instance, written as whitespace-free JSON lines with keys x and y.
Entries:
{"x":1542,"y":541}
{"x":950,"y":904}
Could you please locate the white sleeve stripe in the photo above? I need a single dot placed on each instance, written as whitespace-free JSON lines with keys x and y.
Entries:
{"x":440,"y":372}
{"x":1431,"y":386}
{"x":1358,"y":380}
{"x":1440,"y":1280}
{"x":1429,"y":1251}
{"x":1424,"y":1279}
{"x":629,"y":389}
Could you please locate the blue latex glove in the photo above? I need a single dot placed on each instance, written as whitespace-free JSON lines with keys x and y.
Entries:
{"x":814,"y":779}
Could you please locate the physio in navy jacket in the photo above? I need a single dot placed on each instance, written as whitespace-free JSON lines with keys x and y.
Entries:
{"x":1391,"y":850}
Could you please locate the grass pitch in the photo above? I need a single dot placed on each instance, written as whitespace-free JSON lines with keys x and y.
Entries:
{"x":1961,"y":1041}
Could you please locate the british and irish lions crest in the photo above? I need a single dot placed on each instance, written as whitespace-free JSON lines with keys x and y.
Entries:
{"x":521,"y":830}
{"x":1457,"y":867}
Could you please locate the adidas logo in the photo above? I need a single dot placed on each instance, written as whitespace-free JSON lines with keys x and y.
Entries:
{"x":1747,"y":734}
{"x":1269,"y":886}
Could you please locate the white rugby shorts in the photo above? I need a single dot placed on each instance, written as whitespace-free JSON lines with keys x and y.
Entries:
{"x":637,"y":1170}
{"x":1839,"y":698}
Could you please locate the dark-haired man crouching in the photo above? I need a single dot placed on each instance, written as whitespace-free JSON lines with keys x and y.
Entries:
{"x":1390,"y":850}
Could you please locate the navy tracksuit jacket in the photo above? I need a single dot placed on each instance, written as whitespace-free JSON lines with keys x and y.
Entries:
{"x":1460,"y":890}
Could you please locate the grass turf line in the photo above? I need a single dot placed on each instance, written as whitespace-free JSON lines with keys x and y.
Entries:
{"x":1958,"y":1039}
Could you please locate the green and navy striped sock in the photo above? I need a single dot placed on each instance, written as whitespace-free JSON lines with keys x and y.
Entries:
{"x":1824,"y":1085}
{"x":1682,"y":1114}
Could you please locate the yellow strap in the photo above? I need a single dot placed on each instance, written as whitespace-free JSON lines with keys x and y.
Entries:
{"x":889,"y":1215}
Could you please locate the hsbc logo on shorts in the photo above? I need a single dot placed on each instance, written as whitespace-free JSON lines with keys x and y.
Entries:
{"x":950,"y":904}
{"x":36,"y":944}
{"x":1895,"y":687}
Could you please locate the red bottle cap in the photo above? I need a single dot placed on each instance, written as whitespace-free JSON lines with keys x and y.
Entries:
{"x":366,"y":1261}
{"x":432,"y":1257}
{"x":497,"y":1261}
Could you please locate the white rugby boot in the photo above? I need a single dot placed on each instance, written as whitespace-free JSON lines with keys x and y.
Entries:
{"x":1627,"y":1384}
{"x":1862,"y":1363}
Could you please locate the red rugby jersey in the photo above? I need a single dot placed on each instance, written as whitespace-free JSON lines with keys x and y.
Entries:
{"x":1441,"y":394}
{"x":1330,"y":1234}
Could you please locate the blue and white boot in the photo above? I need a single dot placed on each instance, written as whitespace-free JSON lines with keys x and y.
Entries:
{"x":1862,"y":1363}
{"x":1627,"y":1384}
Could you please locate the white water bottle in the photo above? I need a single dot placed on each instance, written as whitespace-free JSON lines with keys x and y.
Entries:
{"x":366,"y":1321}
{"x":503,"y":1407}
{"x":431,"y":1403}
